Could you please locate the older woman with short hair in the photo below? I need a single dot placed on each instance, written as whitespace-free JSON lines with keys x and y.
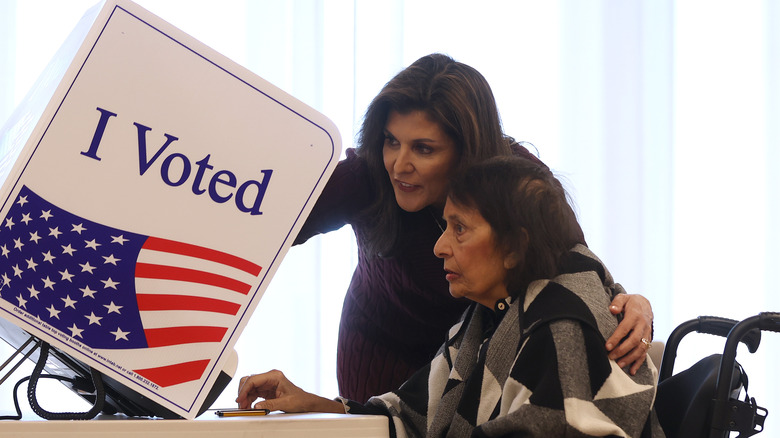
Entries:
{"x":527,"y":358}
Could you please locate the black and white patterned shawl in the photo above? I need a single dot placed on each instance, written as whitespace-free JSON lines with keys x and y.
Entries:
{"x":543,"y":372}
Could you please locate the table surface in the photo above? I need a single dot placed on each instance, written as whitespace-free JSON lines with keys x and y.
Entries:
{"x":207,"y":425}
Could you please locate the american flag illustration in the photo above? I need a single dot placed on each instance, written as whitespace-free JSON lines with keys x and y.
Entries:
{"x":112,"y":289}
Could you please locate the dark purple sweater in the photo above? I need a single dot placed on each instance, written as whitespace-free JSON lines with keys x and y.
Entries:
{"x":397,"y":310}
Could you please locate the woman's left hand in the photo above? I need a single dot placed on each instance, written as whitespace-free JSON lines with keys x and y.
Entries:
{"x":636,"y":327}
{"x":280,"y":394}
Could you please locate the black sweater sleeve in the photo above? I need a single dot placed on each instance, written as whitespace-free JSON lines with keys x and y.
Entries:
{"x":345,"y":195}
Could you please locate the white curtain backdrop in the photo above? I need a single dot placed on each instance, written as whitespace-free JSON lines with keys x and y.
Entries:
{"x":662,"y":117}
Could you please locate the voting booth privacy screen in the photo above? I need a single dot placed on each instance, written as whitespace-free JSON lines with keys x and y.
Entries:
{"x":150,"y":189}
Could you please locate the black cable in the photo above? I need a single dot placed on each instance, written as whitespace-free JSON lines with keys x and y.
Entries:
{"x":100,"y":394}
{"x":18,"y":415}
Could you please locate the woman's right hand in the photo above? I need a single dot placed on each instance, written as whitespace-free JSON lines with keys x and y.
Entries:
{"x":279,"y":394}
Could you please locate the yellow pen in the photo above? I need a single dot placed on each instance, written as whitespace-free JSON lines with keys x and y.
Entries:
{"x":242,"y":412}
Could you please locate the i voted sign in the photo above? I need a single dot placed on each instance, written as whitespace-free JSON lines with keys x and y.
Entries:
{"x":152,"y":187}
{"x":176,"y":169}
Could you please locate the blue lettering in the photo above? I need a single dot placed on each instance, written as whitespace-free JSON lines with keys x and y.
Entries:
{"x":165,"y":169}
{"x":176,"y":170}
{"x":261,"y":188}
{"x":98,"y":136}
{"x":143,"y":164}
{"x":203,"y":165}
{"x":230,"y":182}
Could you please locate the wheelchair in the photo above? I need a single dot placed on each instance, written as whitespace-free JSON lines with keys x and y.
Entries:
{"x":703,"y":400}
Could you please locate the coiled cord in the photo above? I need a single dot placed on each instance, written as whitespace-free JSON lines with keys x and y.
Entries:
{"x":100,"y":394}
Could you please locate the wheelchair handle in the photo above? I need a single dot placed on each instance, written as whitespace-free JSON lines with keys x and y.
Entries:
{"x":712,"y":325}
{"x":722,"y":326}
{"x":769,"y":321}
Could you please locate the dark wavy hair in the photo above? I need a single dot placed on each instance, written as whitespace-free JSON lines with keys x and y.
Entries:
{"x":453,"y":95}
{"x":528,"y":210}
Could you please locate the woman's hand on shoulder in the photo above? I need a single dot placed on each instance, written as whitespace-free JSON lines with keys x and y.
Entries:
{"x":280,"y":394}
{"x":630,"y":342}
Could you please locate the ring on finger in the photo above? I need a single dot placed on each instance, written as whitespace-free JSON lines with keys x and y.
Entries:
{"x":647,"y":343}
